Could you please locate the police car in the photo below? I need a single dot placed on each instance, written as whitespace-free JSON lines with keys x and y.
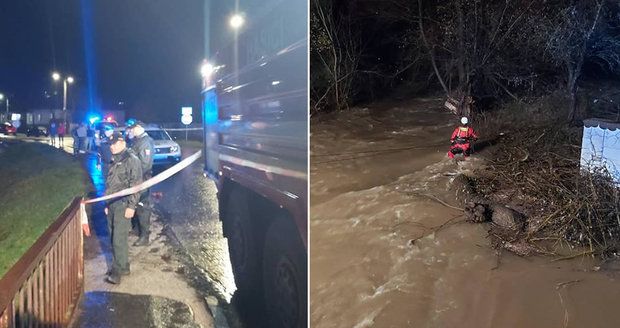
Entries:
{"x":167,"y":151}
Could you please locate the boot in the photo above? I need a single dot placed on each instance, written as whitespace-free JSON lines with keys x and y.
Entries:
{"x":114,"y":278}
{"x":142,"y":241}
{"x":123,"y":273}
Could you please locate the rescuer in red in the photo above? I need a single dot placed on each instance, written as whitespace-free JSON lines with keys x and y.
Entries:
{"x":461,"y":139}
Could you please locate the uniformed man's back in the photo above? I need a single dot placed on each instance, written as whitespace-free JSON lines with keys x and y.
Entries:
{"x":144,"y":148}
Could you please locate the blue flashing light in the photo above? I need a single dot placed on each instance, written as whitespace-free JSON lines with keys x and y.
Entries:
{"x":210,"y":111}
{"x":94,"y":119}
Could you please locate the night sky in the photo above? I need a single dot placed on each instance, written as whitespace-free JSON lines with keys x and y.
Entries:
{"x":145,"y":53}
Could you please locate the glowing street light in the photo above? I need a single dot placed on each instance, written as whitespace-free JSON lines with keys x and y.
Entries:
{"x":206,"y":70}
{"x":7,"y":103}
{"x":236,"y":21}
{"x":68,"y":80}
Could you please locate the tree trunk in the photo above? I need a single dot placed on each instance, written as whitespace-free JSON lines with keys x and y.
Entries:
{"x":461,"y":47}
{"x":573,"y":76}
{"x":430,"y":49}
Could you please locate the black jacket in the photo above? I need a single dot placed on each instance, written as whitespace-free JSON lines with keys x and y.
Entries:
{"x":125,"y":171}
{"x":143,"y":148}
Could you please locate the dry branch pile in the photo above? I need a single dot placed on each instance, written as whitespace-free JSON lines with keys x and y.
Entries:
{"x":535,"y":171}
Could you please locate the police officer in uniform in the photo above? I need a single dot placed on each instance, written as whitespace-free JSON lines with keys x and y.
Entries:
{"x":143,"y":147}
{"x":125,"y":171}
{"x":104,"y":153}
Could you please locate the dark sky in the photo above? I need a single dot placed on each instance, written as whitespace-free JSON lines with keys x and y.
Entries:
{"x":146,"y":53}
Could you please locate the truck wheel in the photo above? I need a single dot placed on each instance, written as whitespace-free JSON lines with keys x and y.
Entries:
{"x":285,"y":276}
{"x":242,"y":243}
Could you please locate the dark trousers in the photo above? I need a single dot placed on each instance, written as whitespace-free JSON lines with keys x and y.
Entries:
{"x":81,"y":143}
{"x":119,"y":229}
{"x":143,"y":212}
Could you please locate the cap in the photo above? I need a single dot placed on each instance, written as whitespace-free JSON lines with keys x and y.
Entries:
{"x":116,"y":136}
{"x":133,"y":122}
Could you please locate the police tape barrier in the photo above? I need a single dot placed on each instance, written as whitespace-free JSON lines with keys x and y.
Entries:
{"x":183,"y":129}
{"x":132,"y":190}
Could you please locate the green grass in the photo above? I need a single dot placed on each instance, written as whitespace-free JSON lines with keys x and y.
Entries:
{"x":38,"y":182}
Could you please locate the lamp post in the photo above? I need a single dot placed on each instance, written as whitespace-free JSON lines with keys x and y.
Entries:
{"x":236,"y":21}
{"x":68,"y":80}
{"x":7,"y":104}
{"x":65,"y":82}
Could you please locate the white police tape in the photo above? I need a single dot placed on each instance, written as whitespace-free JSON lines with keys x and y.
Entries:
{"x":132,"y":190}
{"x":183,"y":129}
{"x":150,"y":182}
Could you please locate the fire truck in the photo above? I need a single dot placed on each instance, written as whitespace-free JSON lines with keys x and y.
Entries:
{"x":255,"y":120}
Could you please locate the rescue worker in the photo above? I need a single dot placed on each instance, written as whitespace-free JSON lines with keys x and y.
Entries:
{"x":125,"y":171}
{"x":461,"y":139}
{"x":143,"y":147}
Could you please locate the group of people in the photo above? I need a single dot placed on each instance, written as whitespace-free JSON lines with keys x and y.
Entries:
{"x":127,"y":167}
{"x":83,"y":138}
{"x":57,"y":130}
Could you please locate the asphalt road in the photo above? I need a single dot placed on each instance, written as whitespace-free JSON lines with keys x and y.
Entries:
{"x":188,"y":206}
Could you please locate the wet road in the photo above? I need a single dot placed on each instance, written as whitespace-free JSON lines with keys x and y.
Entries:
{"x":379,"y":259}
{"x":132,"y":311}
{"x":189,"y":208}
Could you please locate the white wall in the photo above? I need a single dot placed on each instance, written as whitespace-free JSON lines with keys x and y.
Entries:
{"x":600,"y":147}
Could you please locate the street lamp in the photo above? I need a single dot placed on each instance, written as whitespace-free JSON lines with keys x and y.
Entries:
{"x":236,"y":21}
{"x":68,"y":80}
{"x":206,"y":69}
{"x":7,"y":104}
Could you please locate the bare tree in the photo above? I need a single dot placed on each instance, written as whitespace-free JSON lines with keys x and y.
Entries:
{"x":473,"y":44}
{"x":572,"y":39}
{"x":336,"y":48}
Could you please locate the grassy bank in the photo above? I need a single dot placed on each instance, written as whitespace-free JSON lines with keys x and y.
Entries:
{"x":38,"y":182}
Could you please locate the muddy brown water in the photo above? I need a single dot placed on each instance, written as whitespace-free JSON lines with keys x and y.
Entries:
{"x":368,"y":204}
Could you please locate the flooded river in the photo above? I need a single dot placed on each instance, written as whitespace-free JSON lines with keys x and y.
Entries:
{"x":378,"y":258}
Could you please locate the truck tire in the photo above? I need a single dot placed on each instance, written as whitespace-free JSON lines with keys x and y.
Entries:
{"x":285,"y":276}
{"x":242,"y":244}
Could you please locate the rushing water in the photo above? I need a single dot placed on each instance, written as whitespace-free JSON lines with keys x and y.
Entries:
{"x":379,"y":260}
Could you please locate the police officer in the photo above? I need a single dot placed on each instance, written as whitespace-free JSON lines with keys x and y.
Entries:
{"x":125,"y":171}
{"x":142,"y":145}
{"x":105,"y":154}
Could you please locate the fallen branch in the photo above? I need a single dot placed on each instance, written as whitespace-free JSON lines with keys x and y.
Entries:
{"x":590,"y":252}
{"x":438,"y":228}
{"x":439,"y":201}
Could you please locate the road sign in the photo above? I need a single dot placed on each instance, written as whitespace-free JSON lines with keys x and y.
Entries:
{"x":186,"y":115}
{"x":186,"y":119}
{"x":186,"y":111}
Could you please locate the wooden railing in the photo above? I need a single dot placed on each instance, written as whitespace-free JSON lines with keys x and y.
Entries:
{"x":44,"y":287}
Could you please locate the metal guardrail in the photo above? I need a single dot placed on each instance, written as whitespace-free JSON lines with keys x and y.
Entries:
{"x":44,"y":287}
